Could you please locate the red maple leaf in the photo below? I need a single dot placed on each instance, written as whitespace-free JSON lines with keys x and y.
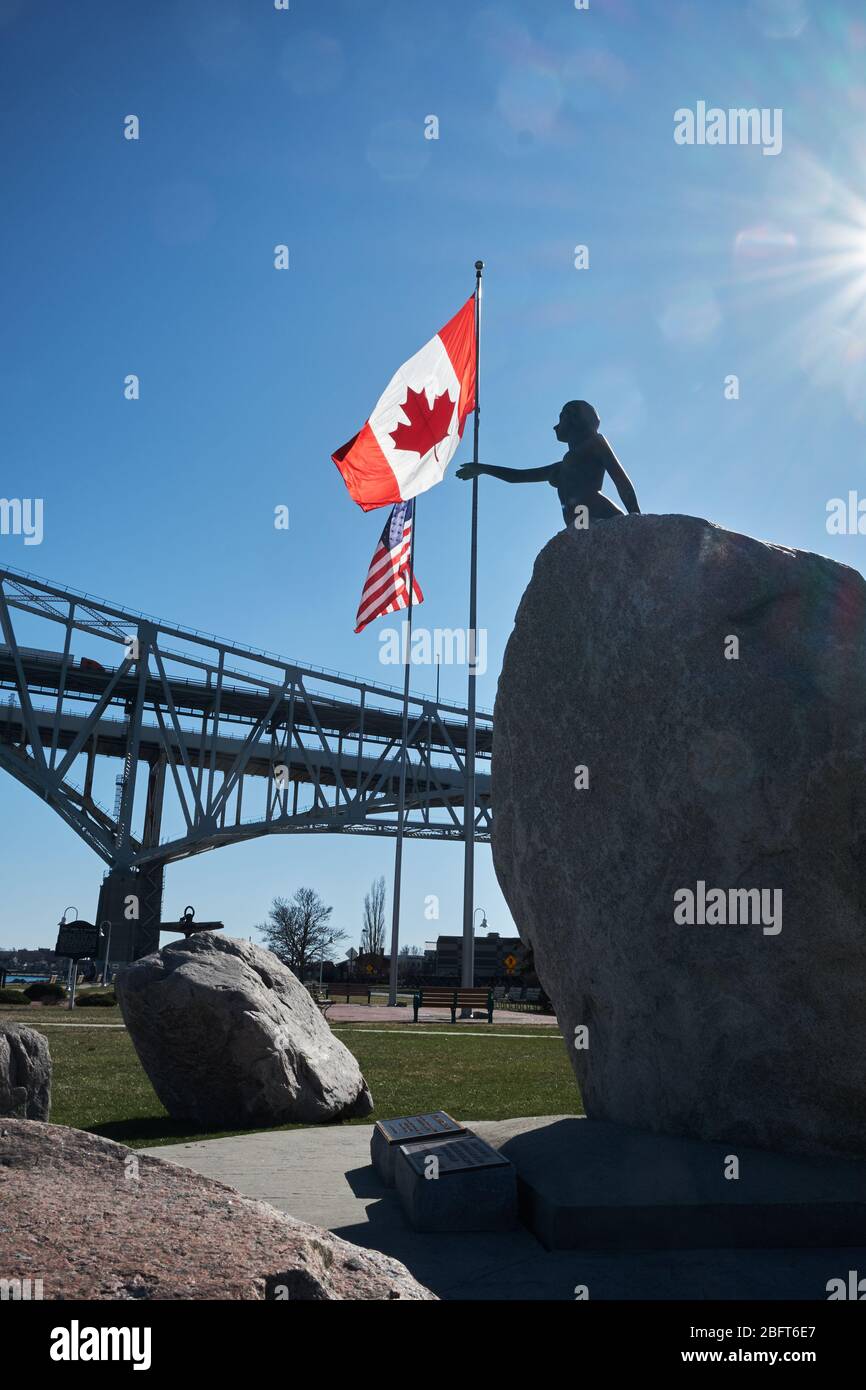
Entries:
{"x":428,"y":425}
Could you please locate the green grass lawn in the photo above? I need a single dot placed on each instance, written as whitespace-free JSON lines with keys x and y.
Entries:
{"x":99,"y":1084}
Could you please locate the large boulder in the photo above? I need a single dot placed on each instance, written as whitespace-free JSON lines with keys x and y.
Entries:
{"x":93,"y":1219}
{"x":707,"y":770}
{"x":25,"y":1073}
{"x":229,"y":1036}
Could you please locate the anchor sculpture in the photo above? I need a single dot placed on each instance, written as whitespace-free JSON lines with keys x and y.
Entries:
{"x":188,"y":926}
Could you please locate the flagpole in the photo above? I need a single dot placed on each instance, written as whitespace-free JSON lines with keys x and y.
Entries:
{"x":467,"y":979}
{"x":401,"y":805}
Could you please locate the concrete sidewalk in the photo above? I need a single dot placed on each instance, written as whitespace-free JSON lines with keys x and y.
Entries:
{"x":323,"y":1175}
{"x":381,"y":1013}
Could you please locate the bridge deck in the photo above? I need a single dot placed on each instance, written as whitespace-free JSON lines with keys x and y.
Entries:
{"x":204,"y":719}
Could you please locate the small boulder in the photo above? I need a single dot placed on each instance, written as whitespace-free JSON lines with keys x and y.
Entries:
{"x":229,"y":1036}
{"x":25,"y":1073}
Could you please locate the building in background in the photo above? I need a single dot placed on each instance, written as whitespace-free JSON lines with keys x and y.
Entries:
{"x":361,"y":965}
{"x":498,"y":958}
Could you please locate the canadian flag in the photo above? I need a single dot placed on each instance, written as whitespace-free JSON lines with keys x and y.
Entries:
{"x":413,"y":432}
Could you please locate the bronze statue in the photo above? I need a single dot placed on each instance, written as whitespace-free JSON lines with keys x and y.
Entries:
{"x":579,"y":475}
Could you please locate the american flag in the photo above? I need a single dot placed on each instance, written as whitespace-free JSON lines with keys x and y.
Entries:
{"x":386,"y":588}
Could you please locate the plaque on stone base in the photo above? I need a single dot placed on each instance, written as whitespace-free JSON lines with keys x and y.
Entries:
{"x":458,"y":1185}
{"x":388,"y":1135}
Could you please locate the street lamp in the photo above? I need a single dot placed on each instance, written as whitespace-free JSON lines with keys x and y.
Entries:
{"x":107,"y":936}
{"x":72,"y":969}
{"x":467,"y":1012}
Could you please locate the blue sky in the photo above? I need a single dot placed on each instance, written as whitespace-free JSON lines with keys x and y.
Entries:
{"x":306,"y":127}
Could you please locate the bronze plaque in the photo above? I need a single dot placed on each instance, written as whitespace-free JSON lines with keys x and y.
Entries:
{"x":458,"y":1157}
{"x":410,"y":1127}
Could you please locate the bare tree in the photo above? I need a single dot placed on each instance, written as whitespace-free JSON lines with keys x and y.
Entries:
{"x":298,"y":932}
{"x":373,"y":929}
{"x":411,"y":963}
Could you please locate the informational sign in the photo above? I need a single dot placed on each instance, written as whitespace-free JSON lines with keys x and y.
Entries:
{"x":75,"y":940}
{"x":409,"y":1127}
{"x":459,"y":1156}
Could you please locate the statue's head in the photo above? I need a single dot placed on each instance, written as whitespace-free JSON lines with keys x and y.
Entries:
{"x":577,"y":420}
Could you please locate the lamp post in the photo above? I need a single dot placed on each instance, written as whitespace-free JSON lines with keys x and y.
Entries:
{"x":105,"y":924}
{"x":72,"y":972}
{"x":467,"y":1012}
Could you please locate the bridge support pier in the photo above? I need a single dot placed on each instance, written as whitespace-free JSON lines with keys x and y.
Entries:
{"x":131,"y":899}
{"x":132,"y":902}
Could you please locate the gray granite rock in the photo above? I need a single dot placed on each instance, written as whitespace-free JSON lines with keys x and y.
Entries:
{"x":746,"y":773}
{"x":25,"y":1073}
{"x":229,"y":1036}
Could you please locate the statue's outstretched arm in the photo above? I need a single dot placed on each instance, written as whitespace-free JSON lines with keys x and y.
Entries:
{"x":507,"y":475}
{"x":620,"y":479}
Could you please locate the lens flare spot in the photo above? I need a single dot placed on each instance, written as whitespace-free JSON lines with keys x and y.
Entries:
{"x":762,"y":242}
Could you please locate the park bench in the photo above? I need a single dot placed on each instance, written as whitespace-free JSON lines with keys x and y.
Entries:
{"x":320,"y":999}
{"x":436,"y":997}
{"x":344,"y":990}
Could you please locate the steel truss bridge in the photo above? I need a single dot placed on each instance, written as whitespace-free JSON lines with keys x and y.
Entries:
{"x":215,"y":743}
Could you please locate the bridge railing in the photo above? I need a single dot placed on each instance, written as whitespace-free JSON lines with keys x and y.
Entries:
{"x":131,"y":618}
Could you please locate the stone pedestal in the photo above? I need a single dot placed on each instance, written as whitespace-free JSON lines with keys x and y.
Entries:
{"x":590,"y":1184}
{"x":388,"y":1135}
{"x":456,"y":1185}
